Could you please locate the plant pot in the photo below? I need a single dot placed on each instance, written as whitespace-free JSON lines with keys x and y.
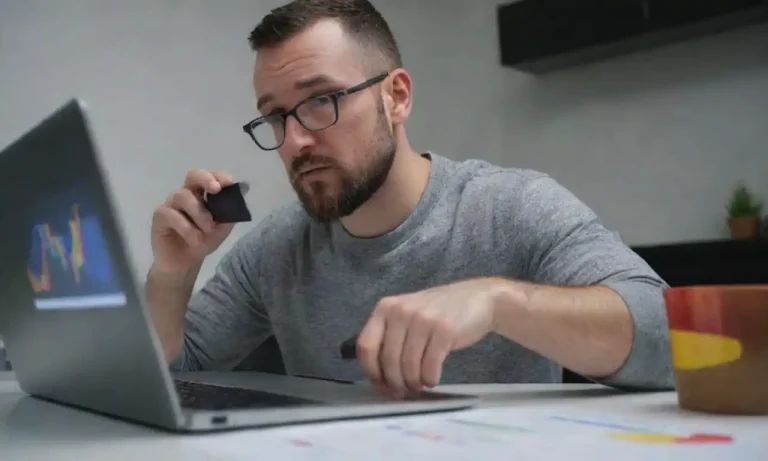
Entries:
{"x":744,"y":228}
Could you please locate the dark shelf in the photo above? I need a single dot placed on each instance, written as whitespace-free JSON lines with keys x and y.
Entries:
{"x":538,"y":36}
{"x":724,"y":262}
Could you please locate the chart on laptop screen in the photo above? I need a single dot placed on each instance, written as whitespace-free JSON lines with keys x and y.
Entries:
{"x":69,"y":266}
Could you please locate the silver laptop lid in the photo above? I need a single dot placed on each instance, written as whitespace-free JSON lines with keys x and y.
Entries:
{"x":71,"y":315}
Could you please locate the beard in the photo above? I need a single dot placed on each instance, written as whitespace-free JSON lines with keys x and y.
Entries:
{"x":355,"y":187}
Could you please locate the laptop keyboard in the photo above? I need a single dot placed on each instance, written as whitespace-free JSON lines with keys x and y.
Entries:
{"x":200,"y":396}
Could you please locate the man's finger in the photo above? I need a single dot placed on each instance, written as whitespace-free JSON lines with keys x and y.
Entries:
{"x":201,"y":181}
{"x":223,"y":178}
{"x":390,"y":357}
{"x":437,"y":349}
{"x":369,"y":345}
{"x":415,"y":345}
{"x":188,"y":203}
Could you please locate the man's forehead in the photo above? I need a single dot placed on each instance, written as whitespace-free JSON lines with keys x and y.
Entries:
{"x":303,"y":69}
{"x":302,"y":75}
{"x":317,"y":80}
{"x":321,"y":52}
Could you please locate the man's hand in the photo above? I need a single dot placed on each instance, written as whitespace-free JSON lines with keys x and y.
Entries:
{"x":183,"y":231}
{"x":407,"y":338}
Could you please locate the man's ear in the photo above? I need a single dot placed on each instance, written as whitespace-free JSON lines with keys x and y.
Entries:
{"x":398,"y":96}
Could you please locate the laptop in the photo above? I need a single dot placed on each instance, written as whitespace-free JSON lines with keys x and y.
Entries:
{"x":75,"y":326}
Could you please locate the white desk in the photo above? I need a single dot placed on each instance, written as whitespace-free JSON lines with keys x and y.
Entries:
{"x":31,"y":429}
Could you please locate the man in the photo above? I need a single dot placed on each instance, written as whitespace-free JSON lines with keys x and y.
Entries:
{"x":450,"y":271}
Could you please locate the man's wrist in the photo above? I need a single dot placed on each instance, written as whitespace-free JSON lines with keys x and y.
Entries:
{"x":509,"y":299}
{"x":173,"y":279}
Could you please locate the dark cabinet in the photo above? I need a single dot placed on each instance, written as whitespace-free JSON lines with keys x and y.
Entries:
{"x":542,"y":35}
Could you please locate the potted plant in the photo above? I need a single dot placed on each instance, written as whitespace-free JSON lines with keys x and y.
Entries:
{"x":744,"y":212}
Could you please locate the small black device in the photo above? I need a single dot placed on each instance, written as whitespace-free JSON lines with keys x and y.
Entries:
{"x":228,"y":205}
{"x":349,"y":348}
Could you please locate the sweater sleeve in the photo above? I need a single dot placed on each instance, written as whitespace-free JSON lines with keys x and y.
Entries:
{"x":225,"y":319}
{"x":567,"y":245}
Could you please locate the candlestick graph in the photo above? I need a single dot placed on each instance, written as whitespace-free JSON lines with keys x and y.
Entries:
{"x":69,"y":264}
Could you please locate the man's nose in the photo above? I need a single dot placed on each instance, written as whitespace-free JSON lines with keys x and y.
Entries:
{"x":297,"y":138}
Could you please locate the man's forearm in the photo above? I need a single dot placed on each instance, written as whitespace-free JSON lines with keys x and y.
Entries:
{"x":167,"y":297}
{"x":588,"y":330}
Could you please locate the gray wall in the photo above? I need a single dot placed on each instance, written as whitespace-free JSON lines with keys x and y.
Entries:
{"x":654,"y":142}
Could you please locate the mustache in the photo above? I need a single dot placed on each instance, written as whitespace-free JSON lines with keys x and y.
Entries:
{"x":308,"y":160}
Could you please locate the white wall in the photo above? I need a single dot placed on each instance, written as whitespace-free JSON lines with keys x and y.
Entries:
{"x":653,"y":142}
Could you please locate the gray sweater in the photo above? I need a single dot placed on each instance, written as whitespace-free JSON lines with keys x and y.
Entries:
{"x":314,"y":285}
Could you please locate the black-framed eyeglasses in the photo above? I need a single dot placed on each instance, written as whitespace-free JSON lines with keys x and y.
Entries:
{"x":314,"y":114}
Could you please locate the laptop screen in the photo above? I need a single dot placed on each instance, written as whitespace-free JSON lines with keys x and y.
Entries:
{"x":59,"y":248}
{"x":69,"y":266}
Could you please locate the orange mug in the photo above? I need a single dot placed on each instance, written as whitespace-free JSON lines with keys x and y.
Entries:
{"x":719,"y":345}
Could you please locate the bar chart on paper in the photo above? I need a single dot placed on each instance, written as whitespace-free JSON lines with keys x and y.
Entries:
{"x":501,"y":434}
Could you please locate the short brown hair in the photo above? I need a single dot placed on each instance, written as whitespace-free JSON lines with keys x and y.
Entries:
{"x":359,"y":19}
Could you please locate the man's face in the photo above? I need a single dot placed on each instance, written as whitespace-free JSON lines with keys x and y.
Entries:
{"x":337,"y":169}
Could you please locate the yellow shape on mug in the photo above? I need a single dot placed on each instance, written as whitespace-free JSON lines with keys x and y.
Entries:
{"x":694,"y":351}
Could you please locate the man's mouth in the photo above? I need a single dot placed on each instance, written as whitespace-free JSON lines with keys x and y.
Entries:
{"x":311,"y":169}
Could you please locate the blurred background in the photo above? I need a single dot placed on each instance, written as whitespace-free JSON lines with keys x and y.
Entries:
{"x":657,"y":141}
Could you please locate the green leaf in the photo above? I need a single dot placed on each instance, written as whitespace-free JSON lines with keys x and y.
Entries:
{"x":744,"y":204}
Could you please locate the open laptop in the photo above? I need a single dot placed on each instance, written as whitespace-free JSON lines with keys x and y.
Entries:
{"x":73,"y":319}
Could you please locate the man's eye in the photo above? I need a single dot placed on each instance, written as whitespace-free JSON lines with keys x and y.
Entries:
{"x":321,"y":101}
